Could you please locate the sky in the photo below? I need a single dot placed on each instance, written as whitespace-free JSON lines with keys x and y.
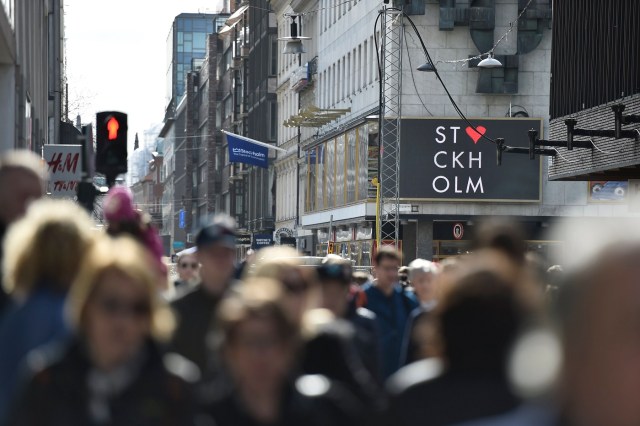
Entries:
{"x":116,"y":56}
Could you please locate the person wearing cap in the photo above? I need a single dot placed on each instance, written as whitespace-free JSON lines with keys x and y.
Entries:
{"x":196,"y":307}
{"x":335,"y":276}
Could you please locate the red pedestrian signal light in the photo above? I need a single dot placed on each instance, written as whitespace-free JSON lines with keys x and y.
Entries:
{"x":112,"y":128}
{"x":111,"y":143}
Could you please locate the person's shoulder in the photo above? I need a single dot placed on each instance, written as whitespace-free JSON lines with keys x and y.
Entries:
{"x":413,"y":376}
{"x":45,"y":364}
{"x":185,"y":295}
{"x":365,"y":314}
{"x":180,"y":368}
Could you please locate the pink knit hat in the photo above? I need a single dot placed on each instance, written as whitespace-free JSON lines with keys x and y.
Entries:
{"x":118,"y":205}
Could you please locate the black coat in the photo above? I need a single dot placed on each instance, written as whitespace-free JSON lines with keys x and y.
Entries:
{"x":310,"y":401}
{"x":58,"y":395}
{"x":195,"y":310}
{"x":425,"y":394}
{"x":366,"y":339}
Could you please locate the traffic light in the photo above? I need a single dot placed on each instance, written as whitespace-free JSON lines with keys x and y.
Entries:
{"x":111,"y":143}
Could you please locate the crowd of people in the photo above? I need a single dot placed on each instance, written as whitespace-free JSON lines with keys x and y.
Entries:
{"x":96,"y":330}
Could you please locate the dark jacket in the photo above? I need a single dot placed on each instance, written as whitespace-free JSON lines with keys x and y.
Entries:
{"x":425,"y":394}
{"x":392,"y":313}
{"x":332,"y":353}
{"x":195,"y":310}
{"x":412,"y":346}
{"x":4,"y":297}
{"x":38,"y":321}
{"x":366,"y":339}
{"x":310,"y":401}
{"x":58,"y":394}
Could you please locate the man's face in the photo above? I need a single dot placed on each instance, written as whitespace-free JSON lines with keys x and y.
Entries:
{"x":423,"y":285}
{"x":387,"y":271}
{"x":18,"y":188}
{"x":217,"y":265}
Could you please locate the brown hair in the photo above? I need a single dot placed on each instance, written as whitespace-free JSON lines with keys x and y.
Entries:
{"x":386,"y":252}
{"x":126,"y":256}
{"x":256,"y":299}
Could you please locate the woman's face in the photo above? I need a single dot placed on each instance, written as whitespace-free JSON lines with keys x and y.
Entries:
{"x":188,"y":267}
{"x":118,"y":319}
{"x":258,"y":357}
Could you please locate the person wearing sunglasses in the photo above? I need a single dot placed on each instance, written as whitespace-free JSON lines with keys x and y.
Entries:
{"x":188,"y":270}
{"x":113,"y":372}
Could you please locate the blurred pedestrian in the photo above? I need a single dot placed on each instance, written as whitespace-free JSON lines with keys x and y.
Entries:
{"x":392,"y":304}
{"x":246,"y":263}
{"x":112,"y":372}
{"x":188,"y":270}
{"x":423,"y":275}
{"x":403,"y":276}
{"x":43,"y":252}
{"x":196,"y":308}
{"x":600,"y":310}
{"x":328,"y":347}
{"x":21,"y":182}
{"x":476,"y":324}
{"x":123,"y":219}
{"x":260,"y":345}
{"x":335,"y":276}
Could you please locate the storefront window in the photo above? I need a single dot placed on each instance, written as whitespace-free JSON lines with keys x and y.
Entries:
{"x":330,"y":169}
{"x":351,"y":166}
{"x":340,"y":181}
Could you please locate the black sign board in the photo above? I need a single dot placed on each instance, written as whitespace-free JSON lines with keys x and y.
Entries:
{"x":445,"y":159}
{"x":243,"y":239}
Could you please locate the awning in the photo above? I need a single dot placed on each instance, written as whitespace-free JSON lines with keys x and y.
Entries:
{"x":233,"y":19}
{"x":315,"y":117}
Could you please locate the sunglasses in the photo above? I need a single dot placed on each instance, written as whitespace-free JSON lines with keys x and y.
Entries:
{"x":192,"y":265}
{"x":115,"y":307}
{"x":296,"y":288}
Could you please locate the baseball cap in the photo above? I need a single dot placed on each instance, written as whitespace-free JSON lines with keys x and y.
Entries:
{"x":221,"y":231}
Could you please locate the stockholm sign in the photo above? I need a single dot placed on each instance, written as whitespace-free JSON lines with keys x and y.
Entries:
{"x":447,"y":159}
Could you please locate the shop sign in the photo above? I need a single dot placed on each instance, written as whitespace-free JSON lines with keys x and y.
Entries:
{"x":64,"y":169}
{"x":262,"y":240}
{"x":458,"y":231}
{"x":447,"y":159}
{"x":243,"y":239}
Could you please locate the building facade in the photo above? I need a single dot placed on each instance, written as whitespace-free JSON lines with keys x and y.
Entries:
{"x":586,"y":89}
{"x":449,"y":176}
{"x":31,"y":73}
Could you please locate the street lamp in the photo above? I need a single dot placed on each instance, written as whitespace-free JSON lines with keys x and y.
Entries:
{"x":490,"y":62}
{"x":294,"y":41}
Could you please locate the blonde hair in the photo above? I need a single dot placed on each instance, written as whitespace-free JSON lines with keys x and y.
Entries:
{"x":126,"y":256}
{"x":46,"y":246}
{"x":24,"y":160}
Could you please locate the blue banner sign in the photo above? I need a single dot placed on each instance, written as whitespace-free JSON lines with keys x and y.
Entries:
{"x":243,"y":151}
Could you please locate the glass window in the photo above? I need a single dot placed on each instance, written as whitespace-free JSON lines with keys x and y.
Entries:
{"x":340,"y":178}
{"x":351,"y":166}
{"x":330,"y":163}
{"x":321,"y":176}
{"x":188,"y":46}
{"x":311,"y":180}
{"x":188,"y":25}
{"x":199,"y":40}
{"x":373,"y":153}
{"x":188,"y":36}
{"x":363,"y":158}
{"x":180,"y":37}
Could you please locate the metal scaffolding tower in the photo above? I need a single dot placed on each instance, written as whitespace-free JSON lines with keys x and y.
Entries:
{"x":392,"y":35}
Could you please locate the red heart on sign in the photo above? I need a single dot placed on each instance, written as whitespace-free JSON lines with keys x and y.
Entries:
{"x":476,"y":134}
